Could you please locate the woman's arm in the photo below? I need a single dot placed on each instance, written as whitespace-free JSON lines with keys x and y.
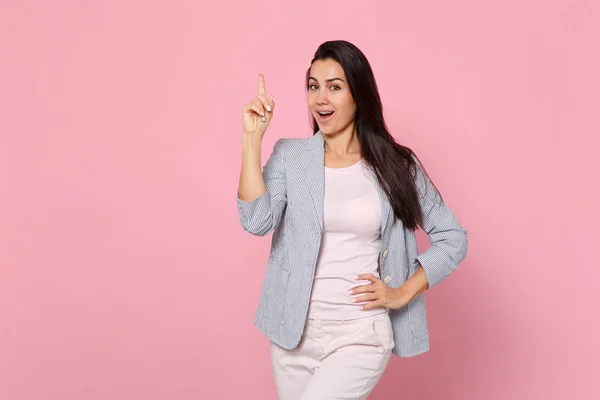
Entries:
{"x":447,"y":237}
{"x":261,"y":195}
{"x":251,"y":184}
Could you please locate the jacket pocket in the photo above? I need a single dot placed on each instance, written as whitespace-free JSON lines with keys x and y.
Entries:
{"x":418,"y":318}
{"x":273,"y":296}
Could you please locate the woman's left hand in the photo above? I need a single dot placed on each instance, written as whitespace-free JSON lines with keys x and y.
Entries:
{"x":377,"y":294}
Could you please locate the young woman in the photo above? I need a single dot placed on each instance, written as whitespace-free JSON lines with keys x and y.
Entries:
{"x":343,"y":287}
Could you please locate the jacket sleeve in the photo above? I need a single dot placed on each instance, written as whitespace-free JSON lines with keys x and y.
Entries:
{"x":447,"y":237}
{"x":263,"y":214}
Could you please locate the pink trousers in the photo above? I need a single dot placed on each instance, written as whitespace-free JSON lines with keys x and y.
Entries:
{"x":334,"y":360}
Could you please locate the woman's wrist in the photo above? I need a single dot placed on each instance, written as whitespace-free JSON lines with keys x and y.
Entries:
{"x":251,"y":139}
{"x":410,"y":289}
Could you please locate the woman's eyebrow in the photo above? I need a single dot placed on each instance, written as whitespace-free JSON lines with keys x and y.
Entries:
{"x":328,"y":80}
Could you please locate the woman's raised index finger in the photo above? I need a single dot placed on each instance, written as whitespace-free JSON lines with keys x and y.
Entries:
{"x":261,"y":84}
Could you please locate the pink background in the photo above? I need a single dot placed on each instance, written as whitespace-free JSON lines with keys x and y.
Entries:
{"x":124,"y":271}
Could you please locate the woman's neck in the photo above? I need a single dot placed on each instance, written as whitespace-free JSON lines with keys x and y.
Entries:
{"x":342,"y":143}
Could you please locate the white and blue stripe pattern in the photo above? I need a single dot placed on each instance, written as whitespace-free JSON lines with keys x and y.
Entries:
{"x":292,"y":208}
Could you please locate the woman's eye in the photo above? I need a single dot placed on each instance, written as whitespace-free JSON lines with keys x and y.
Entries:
{"x":313,"y":87}
{"x":335,"y":87}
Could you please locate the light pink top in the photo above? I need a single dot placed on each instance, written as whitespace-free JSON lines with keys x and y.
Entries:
{"x":350,"y":243}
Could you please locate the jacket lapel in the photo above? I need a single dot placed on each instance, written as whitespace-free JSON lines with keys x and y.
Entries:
{"x":385,"y":206}
{"x":314,"y":168}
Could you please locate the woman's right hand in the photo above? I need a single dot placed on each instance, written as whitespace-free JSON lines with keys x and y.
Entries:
{"x":257,"y":114}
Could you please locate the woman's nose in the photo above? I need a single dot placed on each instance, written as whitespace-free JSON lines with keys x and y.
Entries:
{"x":322,"y":99}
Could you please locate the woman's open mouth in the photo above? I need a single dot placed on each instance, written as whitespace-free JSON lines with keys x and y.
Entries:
{"x":325,"y":116}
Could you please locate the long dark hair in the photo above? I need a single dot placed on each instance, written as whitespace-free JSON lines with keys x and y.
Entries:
{"x":394,"y":164}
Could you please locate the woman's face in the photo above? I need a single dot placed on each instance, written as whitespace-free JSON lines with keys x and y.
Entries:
{"x":329,"y":98}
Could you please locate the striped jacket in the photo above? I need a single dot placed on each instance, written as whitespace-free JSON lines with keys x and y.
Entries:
{"x":292,"y":208}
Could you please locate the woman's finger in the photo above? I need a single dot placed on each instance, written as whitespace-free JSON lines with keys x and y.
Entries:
{"x":369,"y":277}
{"x":265,"y":102}
{"x":371,"y":305}
{"x":254,"y":108}
{"x":362,"y":289}
{"x":365,"y":297}
{"x":258,"y":107}
{"x":261,"y":85}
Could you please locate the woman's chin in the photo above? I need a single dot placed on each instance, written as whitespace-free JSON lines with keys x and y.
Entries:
{"x":324,"y":130}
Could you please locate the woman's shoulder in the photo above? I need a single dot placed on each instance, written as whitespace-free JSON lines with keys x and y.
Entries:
{"x":286,"y":144}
